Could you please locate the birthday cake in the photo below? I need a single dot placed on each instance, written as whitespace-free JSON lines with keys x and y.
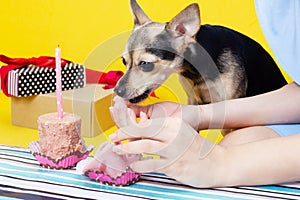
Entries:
{"x":60,"y":144}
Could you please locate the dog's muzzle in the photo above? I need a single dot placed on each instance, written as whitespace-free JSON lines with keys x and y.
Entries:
{"x":121,"y":91}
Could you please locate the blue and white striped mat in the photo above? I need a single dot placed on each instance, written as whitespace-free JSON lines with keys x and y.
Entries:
{"x":21,"y":177}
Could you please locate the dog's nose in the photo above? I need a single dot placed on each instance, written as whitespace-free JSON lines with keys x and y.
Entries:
{"x":120,"y":91}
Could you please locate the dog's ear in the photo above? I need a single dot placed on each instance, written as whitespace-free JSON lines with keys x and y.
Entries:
{"x":139,"y":16}
{"x":187,"y":22}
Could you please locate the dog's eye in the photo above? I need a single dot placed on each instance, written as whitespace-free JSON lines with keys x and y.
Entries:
{"x":146,"y":66}
{"x":124,"y":61}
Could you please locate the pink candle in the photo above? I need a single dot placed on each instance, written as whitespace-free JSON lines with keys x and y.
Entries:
{"x":58,"y":82}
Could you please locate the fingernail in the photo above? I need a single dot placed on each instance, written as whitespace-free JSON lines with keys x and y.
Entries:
{"x":131,"y":114}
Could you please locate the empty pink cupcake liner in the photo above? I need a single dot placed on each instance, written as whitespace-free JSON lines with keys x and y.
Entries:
{"x":67,"y":162}
{"x":127,"y":178}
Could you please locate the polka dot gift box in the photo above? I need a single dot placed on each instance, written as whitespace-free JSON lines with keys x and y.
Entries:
{"x":23,"y":77}
{"x":32,"y":76}
{"x":33,"y":80}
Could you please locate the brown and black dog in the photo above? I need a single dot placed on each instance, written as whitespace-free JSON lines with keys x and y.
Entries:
{"x":214,"y":63}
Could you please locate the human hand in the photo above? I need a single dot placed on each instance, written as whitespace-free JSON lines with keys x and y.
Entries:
{"x":189,"y":113}
{"x":169,"y":138}
{"x":108,"y":162}
{"x":179,"y":147}
{"x":119,"y":111}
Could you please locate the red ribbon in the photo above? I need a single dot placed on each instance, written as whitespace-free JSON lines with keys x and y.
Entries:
{"x":42,"y":61}
{"x":110,"y":79}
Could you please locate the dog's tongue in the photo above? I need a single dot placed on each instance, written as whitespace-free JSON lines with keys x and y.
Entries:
{"x":110,"y":163}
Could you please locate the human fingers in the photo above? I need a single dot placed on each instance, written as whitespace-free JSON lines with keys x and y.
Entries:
{"x":118,"y":117}
{"x":157,"y":110}
{"x":168,"y":150}
{"x":166,"y":109}
{"x":146,"y":146}
{"x":143,"y":117}
{"x":137,"y":109}
{"x":162,"y":145}
{"x":119,"y":111}
{"x":160,"y":129}
{"x":150,"y":165}
{"x":123,"y":117}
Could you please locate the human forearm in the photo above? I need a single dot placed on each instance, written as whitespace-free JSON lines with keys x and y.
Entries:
{"x":263,"y":162}
{"x":258,"y":163}
{"x":280,"y":106}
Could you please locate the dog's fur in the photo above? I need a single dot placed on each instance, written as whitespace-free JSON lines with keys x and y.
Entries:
{"x":214,"y":63}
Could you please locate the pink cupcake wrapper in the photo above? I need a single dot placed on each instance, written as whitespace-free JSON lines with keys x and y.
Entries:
{"x":126,"y":178}
{"x":67,"y":162}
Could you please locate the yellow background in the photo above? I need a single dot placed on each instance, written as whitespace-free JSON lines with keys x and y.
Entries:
{"x":33,"y":28}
